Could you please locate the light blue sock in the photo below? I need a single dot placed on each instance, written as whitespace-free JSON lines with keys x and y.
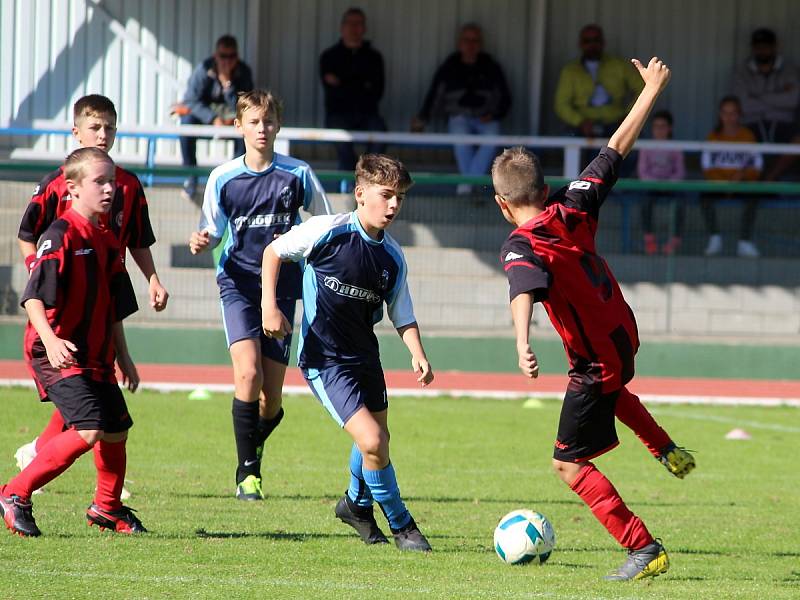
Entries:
{"x":383,"y":485}
{"x":358,"y":491}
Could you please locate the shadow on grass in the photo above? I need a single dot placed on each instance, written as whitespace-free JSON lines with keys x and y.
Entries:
{"x":269,"y":535}
{"x":702,"y":552}
{"x":444,"y":499}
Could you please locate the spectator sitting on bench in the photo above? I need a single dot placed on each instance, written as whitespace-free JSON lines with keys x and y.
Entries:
{"x":210,"y":99}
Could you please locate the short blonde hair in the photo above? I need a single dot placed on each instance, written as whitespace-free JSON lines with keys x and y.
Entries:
{"x":379,"y":169}
{"x":75,"y":165}
{"x":517,"y":175}
{"x":93,"y":105}
{"x":263,"y":99}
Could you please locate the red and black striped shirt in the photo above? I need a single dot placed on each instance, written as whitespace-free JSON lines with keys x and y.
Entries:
{"x":79,"y":276}
{"x":553,"y":256}
{"x":128,"y":219}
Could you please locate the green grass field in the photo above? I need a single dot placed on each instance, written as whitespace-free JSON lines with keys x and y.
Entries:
{"x":731,"y":527}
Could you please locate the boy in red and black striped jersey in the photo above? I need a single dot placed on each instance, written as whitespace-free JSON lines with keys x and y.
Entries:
{"x":76,"y":298}
{"x":551,"y":258}
{"x":95,"y":120}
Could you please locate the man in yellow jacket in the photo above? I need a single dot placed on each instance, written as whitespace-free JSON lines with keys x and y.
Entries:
{"x":595,"y":91}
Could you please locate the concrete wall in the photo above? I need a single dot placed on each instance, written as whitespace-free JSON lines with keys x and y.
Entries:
{"x":455,"y":277}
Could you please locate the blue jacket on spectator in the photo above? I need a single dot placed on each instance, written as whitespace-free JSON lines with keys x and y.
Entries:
{"x":204,"y":89}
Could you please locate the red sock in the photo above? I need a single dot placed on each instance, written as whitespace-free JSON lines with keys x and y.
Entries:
{"x":110,"y":460}
{"x":609,"y":508}
{"x":50,"y":462}
{"x":635,"y":416}
{"x":51,"y":430}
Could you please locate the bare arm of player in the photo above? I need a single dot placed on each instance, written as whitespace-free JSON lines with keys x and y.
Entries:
{"x":273,"y":321}
{"x":521,"y":312}
{"x":158,"y":294}
{"x":419,"y":361}
{"x":656,"y":76}
{"x":59,"y":352}
{"x":130,"y":376}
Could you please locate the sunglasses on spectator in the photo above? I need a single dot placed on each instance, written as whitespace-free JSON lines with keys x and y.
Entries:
{"x":227,"y":55}
{"x":591,"y":40}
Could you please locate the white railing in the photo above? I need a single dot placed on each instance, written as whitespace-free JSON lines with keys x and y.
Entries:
{"x":571,"y":146}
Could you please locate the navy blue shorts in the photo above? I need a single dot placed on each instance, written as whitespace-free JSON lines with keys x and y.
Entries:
{"x":88,"y":404}
{"x":241,"y":318}
{"x":344,"y":389}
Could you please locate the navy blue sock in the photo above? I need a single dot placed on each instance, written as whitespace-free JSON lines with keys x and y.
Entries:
{"x":383,"y":485}
{"x":358,"y":491}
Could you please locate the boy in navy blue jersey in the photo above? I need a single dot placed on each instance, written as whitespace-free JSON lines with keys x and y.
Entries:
{"x":352,"y":268}
{"x":249,"y":201}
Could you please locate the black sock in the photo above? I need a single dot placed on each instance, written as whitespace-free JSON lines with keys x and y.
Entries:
{"x":245,"y":425}
{"x":267,"y":426}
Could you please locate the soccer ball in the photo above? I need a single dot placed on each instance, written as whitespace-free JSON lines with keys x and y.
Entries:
{"x":524,"y":536}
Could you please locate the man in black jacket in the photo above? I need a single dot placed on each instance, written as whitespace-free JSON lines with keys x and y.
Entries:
{"x":469,"y":88}
{"x":352,"y":75}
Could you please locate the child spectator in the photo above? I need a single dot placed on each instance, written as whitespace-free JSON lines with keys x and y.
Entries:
{"x":729,"y":165}
{"x":661,"y":165}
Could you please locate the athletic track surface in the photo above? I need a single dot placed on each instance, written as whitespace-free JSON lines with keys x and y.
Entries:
{"x":455,"y":383}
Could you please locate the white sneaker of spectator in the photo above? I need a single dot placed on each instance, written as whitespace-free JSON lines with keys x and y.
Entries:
{"x":714,"y":246}
{"x":747,"y":249}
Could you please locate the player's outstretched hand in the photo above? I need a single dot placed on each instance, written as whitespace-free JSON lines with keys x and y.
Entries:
{"x":158,"y":295}
{"x":274,"y":323}
{"x":656,"y":73}
{"x":59,"y":353}
{"x":130,"y":376}
{"x":527,"y":361}
{"x":422,"y":367}
{"x":199,"y":241}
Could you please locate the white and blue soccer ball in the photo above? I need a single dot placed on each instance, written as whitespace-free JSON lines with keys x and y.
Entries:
{"x":524,"y":536}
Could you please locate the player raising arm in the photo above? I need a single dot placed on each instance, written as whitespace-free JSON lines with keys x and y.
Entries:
{"x":551,"y":258}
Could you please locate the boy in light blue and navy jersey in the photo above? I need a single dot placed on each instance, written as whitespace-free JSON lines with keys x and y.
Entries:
{"x":250,"y":201}
{"x":352,"y":268}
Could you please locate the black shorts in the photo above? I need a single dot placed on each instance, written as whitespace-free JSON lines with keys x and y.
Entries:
{"x":87,"y":404}
{"x":586,"y":428}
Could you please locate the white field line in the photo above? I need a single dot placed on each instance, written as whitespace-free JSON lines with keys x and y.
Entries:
{"x":457,"y":393}
{"x":728,"y":420}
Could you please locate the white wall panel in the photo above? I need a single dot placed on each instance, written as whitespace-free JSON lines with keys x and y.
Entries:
{"x":52,"y":52}
{"x":413,"y":36}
